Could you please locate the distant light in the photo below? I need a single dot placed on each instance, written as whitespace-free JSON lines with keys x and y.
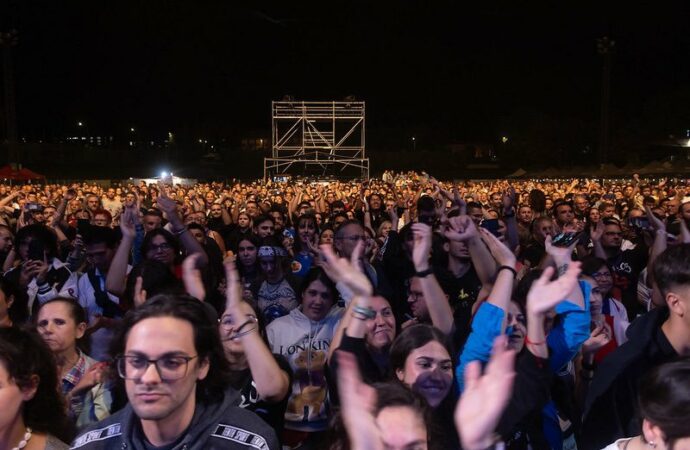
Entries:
{"x":504,"y":139}
{"x":170,"y":135}
{"x":201,"y":141}
{"x":688,"y":143}
{"x":414,"y":138}
{"x":164,"y":174}
{"x":132,"y":129}
{"x":81,"y":124}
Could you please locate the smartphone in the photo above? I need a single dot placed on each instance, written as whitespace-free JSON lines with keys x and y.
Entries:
{"x":36,"y":250}
{"x":565,"y":239}
{"x":641,"y":223}
{"x":491,"y":225}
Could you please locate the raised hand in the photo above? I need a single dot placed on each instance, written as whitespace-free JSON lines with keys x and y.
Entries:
{"x":191,"y":276}
{"x":502,"y":254}
{"x":347,"y":272}
{"x":654,"y":221}
{"x":127,"y":226}
{"x":545,"y":295}
{"x":357,"y":401}
{"x":461,"y":228}
{"x":422,"y":246}
{"x":597,"y":232}
{"x":508,"y":200}
{"x":485,"y":397}
{"x":139,"y":292}
{"x":559,"y":253}
{"x":598,"y":338}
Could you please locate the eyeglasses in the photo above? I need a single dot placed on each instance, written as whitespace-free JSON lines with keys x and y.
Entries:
{"x":601,"y":275}
{"x":169,"y":368}
{"x":164,"y":246}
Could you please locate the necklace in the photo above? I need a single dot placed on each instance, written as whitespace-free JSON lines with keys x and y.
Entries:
{"x":24,"y":441}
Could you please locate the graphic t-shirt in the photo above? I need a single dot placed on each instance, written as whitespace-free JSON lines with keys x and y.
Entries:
{"x":276,"y":300}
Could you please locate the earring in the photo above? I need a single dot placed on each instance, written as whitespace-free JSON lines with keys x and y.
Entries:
{"x":651,"y":444}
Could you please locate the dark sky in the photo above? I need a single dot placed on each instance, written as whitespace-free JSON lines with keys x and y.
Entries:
{"x":203,"y":67}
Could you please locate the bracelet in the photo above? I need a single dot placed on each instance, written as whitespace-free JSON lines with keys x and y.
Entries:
{"x":367,"y":313}
{"x":424,"y":273}
{"x":508,"y":268}
{"x":527,"y":341}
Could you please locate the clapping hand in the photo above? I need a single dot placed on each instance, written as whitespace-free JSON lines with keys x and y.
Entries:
{"x":545,"y":295}
{"x":357,"y":400}
{"x":347,"y":272}
{"x":485,"y":397}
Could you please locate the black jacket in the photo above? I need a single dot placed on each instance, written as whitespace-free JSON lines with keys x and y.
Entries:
{"x":218,"y":425}
{"x":611,"y":406}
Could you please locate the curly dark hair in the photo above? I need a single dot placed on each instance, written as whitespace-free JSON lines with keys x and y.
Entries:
{"x":25,"y":356}
{"x":169,"y":238}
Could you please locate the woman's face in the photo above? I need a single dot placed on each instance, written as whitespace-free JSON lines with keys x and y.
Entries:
{"x":229,"y":326}
{"x":402,"y":428}
{"x":385,"y":228}
{"x":381,"y":329}
{"x":316,"y":301}
{"x":326,"y":237}
{"x":604,"y":279}
{"x":161,"y":250}
{"x":517,"y":327}
{"x":243,"y":220}
{"x":428,"y":371}
{"x":594,"y":215}
{"x":12,"y":398}
{"x":306,"y":230}
{"x":57,"y":327}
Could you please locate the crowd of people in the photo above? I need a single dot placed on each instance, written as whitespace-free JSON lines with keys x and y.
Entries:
{"x":400,"y":312}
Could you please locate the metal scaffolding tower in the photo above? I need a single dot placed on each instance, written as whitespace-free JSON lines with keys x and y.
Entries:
{"x":326,"y":136}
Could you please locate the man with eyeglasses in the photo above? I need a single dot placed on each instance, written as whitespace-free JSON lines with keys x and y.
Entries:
{"x":346,"y":238}
{"x":174,"y":370}
{"x":626,"y":264}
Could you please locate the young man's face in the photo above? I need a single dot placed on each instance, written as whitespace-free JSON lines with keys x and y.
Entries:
{"x":168,"y":393}
{"x":100,"y":256}
{"x":265,"y":228}
{"x":564,"y":214}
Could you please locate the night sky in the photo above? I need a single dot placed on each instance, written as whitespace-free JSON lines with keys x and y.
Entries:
{"x":454,"y":70}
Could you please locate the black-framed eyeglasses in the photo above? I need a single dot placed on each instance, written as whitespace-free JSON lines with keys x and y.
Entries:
{"x":163,"y":247}
{"x":169,"y":368}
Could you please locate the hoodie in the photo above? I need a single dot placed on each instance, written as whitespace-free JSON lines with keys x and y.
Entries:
{"x":305,"y":344}
{"x":217,"y":425}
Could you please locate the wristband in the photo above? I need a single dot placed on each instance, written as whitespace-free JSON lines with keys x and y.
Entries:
{"x":368,"y":313}
{"x":179,"y":232}
{"x":527,"y":341}
{"x":424,"y":273}
{"x":508,"y":268}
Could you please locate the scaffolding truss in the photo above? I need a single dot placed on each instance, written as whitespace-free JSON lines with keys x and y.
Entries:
{"x":317,"y":138}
